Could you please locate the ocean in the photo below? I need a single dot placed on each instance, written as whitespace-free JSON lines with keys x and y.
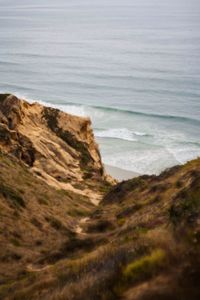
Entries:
{"x":133,"y":66}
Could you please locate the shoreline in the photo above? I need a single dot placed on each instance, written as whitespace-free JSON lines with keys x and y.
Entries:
{"x":120,"y":174}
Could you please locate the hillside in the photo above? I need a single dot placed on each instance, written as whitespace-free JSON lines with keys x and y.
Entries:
{"x":142,"y":241}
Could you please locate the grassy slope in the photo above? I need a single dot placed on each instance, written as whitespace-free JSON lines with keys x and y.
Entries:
{"x":141,"y":243}
{"x":36,"y":221}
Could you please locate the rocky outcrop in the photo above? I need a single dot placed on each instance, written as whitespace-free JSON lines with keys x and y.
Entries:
{"x":58,"y":147}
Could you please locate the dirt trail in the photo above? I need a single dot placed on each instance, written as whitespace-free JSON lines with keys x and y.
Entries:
{"x":31,"y":268}
{"x":79,"y":229}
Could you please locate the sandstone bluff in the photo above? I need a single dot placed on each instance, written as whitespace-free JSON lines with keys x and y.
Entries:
{"x":58,"y":147}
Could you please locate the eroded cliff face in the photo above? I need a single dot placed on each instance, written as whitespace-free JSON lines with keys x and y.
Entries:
{"x":58,"y":147}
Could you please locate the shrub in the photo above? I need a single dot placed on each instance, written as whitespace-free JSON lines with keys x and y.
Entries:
{"x":101,"y":226}
{"x":187,"y":205}
{"x":145,"y":266}
{"x":77,"y":213}
{"x":129,"y":210}
{"x":55,"y":223}
{"x":121,"y":221}
{"x":51,"y":115}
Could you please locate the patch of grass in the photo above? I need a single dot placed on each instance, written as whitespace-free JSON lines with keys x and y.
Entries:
{"x":5,"y":288}
{"x":65,"y":193}
{"x":119,"y":191}
{"x":106,"y":187}
{"x":141,"y":229}
{"x":15,"y":242}
{"x":51,"y":115}
{"x":129,"y":210}
{"x":187,"y":205}
{"x":16,"y":214}
{"x":169,"y":172}
{"x":128,"y":238}
{"x":94,"y":262}
{"x":145,"y":266}
{"x":36,"y":223}
{"x":13,"y":196}
{"x":43,"y":199}
{"x":179,"y":183}
{"x":121,"y":221}
{"x":159,"y":187}
{"x":81,"y":147}
{"x":101,"y":226}
{"x":55,"y":223}
{"x":79,"y":186}
{"x":77,"y":213}
{"x":87,"y":174}
{"x":69,"y":248}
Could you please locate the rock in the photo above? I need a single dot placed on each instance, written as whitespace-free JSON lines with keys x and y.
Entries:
{"x":58,"y":146}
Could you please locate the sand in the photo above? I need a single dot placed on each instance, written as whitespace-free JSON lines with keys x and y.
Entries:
{"x":120,"y":174}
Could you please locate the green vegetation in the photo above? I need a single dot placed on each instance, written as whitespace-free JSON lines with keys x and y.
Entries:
{"x":117,"y":192}
{"x":51,"y":116}
{"x":130,"y":210}
{"x":121,"y":221}
{"x":105,"y":187}
{"x":187,"y":206}
{"x":78,"y":212}
{"x":141,"y":229}
{"x":79,"y":186}
{"x":145,"y":266}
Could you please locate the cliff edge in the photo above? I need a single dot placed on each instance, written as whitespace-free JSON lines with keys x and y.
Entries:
{"x":58,"y":147}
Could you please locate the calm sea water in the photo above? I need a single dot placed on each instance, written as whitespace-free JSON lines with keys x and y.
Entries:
{"x":133,"y":66}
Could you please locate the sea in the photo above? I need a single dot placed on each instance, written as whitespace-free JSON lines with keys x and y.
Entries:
{"x":132,"y":66}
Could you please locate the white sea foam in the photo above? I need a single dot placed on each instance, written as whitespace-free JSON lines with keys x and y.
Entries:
{"x":77,"y":110}
{"x":153,"y":160}
{"x":184,"y":153}
{"x":142,"y":161}
{"x":116,"y":133}
{"x":140,"y":133}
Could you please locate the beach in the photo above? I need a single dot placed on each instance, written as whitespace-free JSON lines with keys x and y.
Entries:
{"x":120,"y":174}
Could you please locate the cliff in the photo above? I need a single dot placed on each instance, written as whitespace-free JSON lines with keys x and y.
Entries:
{"x":58,"y":147}
{"x":142,"y":241}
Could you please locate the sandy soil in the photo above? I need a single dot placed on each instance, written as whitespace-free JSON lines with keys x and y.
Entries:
{"x":120,"y":174}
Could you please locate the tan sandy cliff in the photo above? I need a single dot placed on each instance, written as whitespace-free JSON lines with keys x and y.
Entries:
{"x":58,"y":147}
